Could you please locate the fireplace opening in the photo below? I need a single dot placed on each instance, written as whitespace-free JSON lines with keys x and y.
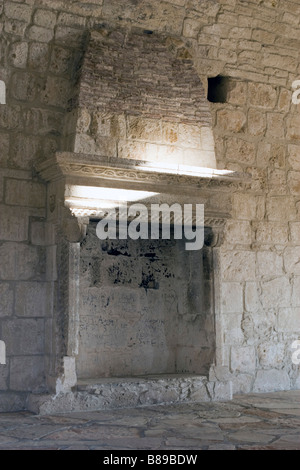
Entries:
{"x":145,"y":308}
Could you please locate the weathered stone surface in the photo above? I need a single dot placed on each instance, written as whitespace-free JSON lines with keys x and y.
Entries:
{"x":271,"y":355}
{"x":272,"y":379}
{"x":289,"y":320}
{"x":27,"y":373}
{"x":23,"y":337}
{"x":7,"y":298}
{"x":243,"y":359}
{"x":238,"y":266}
{"x":33,"y":299}
{"x":291,"y":260}
{"x":232,"y":297}
{"x":276,"y":293}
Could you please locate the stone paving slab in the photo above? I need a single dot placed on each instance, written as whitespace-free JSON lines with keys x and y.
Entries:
{"x":257,"y":422}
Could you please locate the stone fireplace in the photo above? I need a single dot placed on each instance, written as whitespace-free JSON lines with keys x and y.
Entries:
{"x":135,"y":322}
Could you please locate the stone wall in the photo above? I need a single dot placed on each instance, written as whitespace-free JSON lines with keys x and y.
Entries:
{"x":256,"y":44}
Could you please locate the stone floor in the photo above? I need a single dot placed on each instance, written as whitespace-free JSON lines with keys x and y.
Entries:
{"x":267,"y":421}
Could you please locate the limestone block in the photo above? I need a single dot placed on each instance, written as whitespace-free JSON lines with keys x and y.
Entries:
{"x":285,"y":100}
{"x":25,"y":193}
{"x":294,"y":157}
{"x":42,"y":121}
{"x":275,"y":125}
{"x":10,"y":402}
{"x":244,"y":206}
{"x":271,"y":355}
{"x":291,"y":258}
{"x":18,"y":54}
{"x":189,"y":136}
{"x":242,"y":383}
{"x":169,"y":132}
{"x":238,"y":266}
{"x":238,"y":232}
{"x":65,"y":35}
{"x":219,"y":373}
{"x":21,"y":262}
{"x":71,"y":20}
{"x":133,"y":150}
{"x":14,"y":224}
{"x":276,"y":293}
{"x":277,"y":156}
{"x":191,"y":28}
{"x":271,"y":233}
{"x":232,"y":297}
{"x":241,"y":151}
{"x":56,"y":92}
{"x":4,"y":373}
{"x":271,"y":380}
{"x":220,"y":391}
{"x":243,"y":359}
{"x":237,"y":92}
{"x":45,"y":18}
{"x":256,"y":122}
{"x":27,"y":374}
{"x":294,"y":182}
{"x":262,"y":36}
{"x":293,"y":127}
{"x":233,"y":333}
{"x":156,"y":15}
{"x":144,"y":129}
{"x":85,"y":144}
{"x":279,"y":61}
{"x":277,"y":181}
{"x":7,"y":299}
{"x":207,"y":139}
{"x":38,"y":33}
{"x":33,"y":299}
{"x":289,"y":320}
{"x":296,"y":292}
{"x":4,"y":142}
{"x":42,"y":234}
{"x":262,"y":95}
{"x":281,"y":209}
{"x":62,"y":61}
{"x":23,"y":337}
{"x":25,"y":151}
{"x":230,"y":120}
{"x":17,"y":11}
{"x":38,"y":57}
{"x":15,"y":27}
{"x":252,"y":297}
{"x":201,"y":158}
{"x":269,"y":264}
{"x":25,"y":86}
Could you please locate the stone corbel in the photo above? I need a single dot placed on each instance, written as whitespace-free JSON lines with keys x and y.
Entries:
{"x":75,"y":228}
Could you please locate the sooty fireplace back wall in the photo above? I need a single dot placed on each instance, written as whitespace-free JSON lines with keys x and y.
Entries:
{"x":145,"y":308}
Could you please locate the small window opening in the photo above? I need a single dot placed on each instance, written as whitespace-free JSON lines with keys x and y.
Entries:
{"x":217,"y":89}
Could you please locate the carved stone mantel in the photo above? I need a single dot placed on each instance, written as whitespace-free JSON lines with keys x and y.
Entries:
{"x":75,"y":179}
